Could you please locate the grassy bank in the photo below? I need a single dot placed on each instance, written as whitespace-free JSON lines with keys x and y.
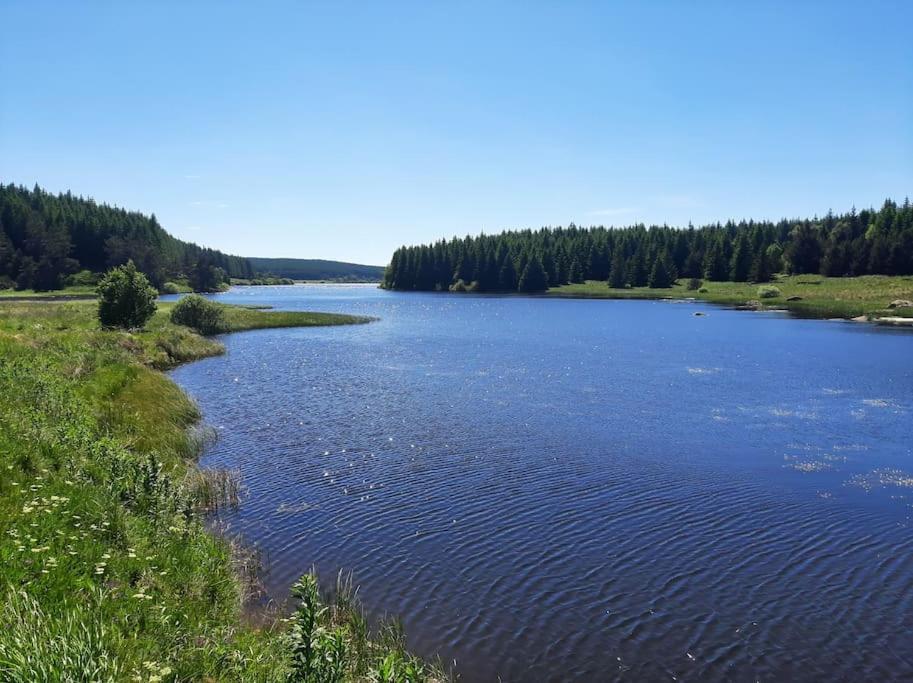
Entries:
{"x":76,"y":292}
{"x":818,"y":297}
{"x":107,"y":571}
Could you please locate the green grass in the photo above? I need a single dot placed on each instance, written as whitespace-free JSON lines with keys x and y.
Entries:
{"x":107,"y":570}
{"x":821,"y":297}
{"x":80,"y":291}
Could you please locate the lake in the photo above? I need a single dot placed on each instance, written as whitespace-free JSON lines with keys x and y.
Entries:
{"x":552,"y":489}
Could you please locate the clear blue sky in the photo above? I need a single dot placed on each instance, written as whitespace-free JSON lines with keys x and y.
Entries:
{"x":342,"y":130}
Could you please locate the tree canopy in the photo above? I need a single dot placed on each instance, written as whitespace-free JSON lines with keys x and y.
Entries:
{"x":855,"y":243}
{"x":45,"y":238}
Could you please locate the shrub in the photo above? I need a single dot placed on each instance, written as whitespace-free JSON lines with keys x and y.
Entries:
{"x":694,"y":283}
{"x":84,"y":278}
{"x":125,"y":298}
{"x":702,"y":290}
{"x":768,"y":292}
{"x":203,"y":315}
{"x":171,"y":288}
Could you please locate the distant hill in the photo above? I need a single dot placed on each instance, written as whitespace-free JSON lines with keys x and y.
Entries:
{"x":316,"y":269}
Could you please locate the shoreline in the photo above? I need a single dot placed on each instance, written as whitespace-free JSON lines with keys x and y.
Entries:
{"x":125,"y":570}
{"x":885,"y":321}
{"x":804,"y":296}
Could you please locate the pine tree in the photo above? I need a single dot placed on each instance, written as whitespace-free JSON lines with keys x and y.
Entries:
{"x":575,"y":274}
{"x":533,"y":277}
{"x":637,"y":270}
{"x":760,"y":267}
{"x":507,"y":277}
{"x":660,"y":277}
{"x":715,"y":268}
{"x":740,"y":266}
{"x":618,"y":273}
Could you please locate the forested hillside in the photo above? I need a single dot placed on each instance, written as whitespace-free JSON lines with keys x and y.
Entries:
{"x":316,"y":269}
{"x":854,"y":243}
{"x":46,"y":239}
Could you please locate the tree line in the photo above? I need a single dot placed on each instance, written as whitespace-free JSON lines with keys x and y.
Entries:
{"x":48,"y":241}
{"x":855,"y":243}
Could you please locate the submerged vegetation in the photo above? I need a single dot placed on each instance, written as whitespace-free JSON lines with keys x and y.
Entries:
{"x":107,"y":570}
{"x":860,"y":243}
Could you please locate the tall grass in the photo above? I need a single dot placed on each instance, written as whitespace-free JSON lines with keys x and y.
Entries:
{"x":108,"y":570}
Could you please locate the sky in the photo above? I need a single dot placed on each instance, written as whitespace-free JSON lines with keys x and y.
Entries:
{"x":343,"y":130}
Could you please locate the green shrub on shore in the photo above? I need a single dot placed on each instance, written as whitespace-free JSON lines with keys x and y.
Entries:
{"x":200,"y":314}
{"x":125,"y":298}
{"x":171,"y":288}
{"x":769,"y":292}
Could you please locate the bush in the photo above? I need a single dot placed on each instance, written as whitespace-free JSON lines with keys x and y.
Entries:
{"x":768,"y":292}
{"x":84,"y":278}
{"x":702,"y":290}
{"x":203,"y":315}
{"x":125,"y":298}
{"x":170,"y":288}
{"x":694,"y":283}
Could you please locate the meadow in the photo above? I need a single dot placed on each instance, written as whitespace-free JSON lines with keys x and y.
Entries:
{"x":108,"y":569}
{"x":818,"y":296}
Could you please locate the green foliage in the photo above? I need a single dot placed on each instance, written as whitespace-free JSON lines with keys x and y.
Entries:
{"x":318,"y":652}
{"x":398,"y":668}
{"x":262,"y":281}
{"x":820,"y":297}
{"x":171,"y":288}
{"x":854,"y":244}
{"x":533,"y":278}
{"x":45,"y":239}
{"x":205,"y":276}
{"x":125,"y":298}
{"x":107,"y":569}
{"x":315,"y":269}
{"x":768,"y":292}
{"x":84,"y":278}
{"x":200,"y":314}
{"x":618,"y":271}
{"x":694,"y":284}
{"x":742,"y":257}
{"x":660,"y":277}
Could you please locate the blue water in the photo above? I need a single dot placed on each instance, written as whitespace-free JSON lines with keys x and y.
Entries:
{"x":583,"y":490}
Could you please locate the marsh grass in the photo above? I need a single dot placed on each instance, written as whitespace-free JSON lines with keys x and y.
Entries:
{"x":108,"y":569}
{"x":819,"y":297}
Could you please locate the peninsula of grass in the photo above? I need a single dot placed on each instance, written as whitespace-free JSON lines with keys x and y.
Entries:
{"x":809,"y":296}
{"x":107,"y":569}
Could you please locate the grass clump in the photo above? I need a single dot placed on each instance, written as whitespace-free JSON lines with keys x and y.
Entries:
{"x":329,"y":640}
{"x":769,"y":292}
{"x":108,"y":571}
